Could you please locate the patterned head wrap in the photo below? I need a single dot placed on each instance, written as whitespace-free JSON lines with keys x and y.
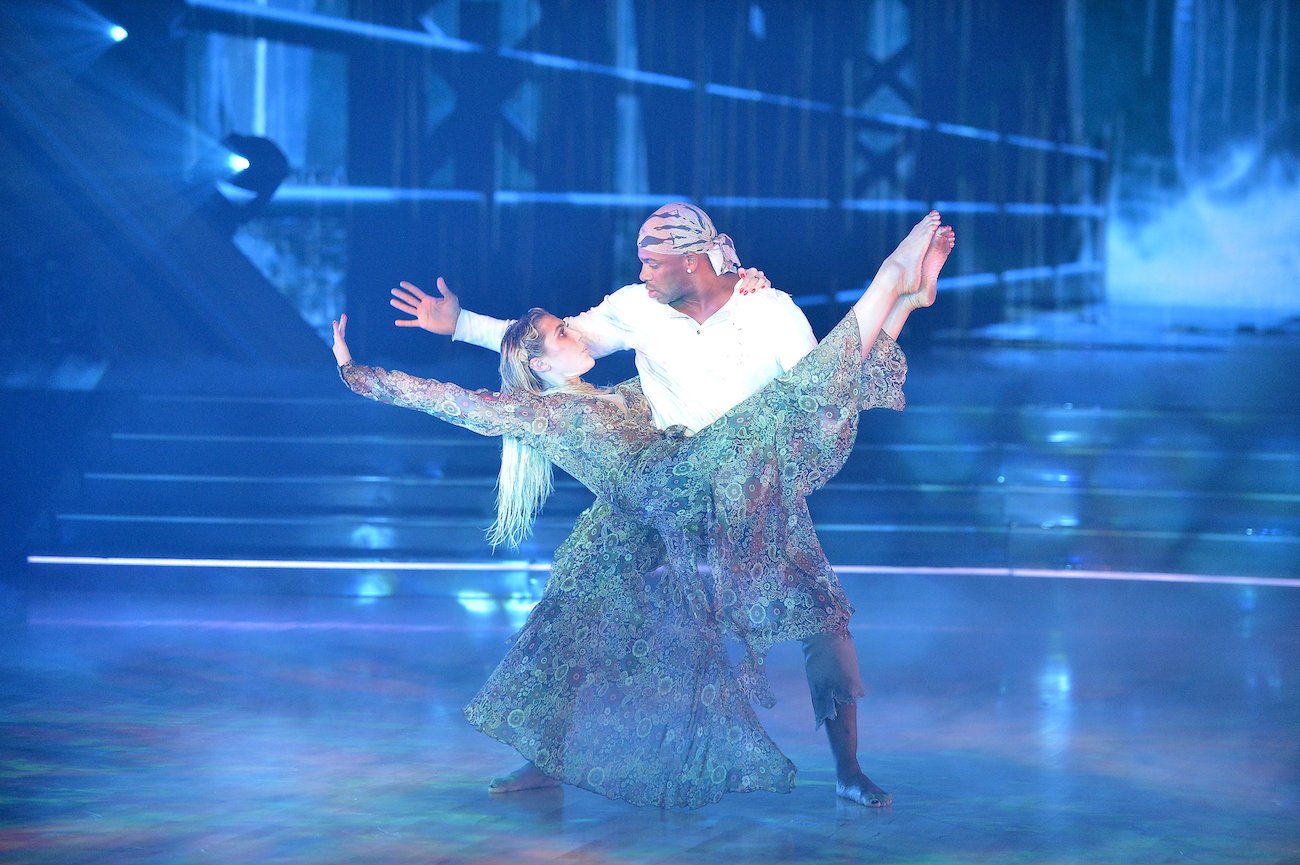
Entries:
{"x":679,"y":228}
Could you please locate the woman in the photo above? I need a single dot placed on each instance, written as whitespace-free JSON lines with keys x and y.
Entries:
{"x":620,"y":680}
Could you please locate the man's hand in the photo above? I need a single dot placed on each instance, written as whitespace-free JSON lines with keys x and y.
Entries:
{"x":434,"y":314}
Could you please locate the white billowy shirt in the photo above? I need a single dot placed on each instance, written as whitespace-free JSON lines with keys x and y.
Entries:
{"x":691,"y":373}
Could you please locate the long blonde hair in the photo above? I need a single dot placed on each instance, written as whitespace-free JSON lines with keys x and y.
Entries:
{"x":524,"y":482}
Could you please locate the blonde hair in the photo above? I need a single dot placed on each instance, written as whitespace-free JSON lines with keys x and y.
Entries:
{"x":524,"y":482}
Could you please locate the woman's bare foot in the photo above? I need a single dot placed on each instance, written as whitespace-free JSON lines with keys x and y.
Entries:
{"x":526,"y":777}
{"x":940,"y":245}
{"x":910,"y":254}
{"x":862,"y":790}
{"x":899,"y":276}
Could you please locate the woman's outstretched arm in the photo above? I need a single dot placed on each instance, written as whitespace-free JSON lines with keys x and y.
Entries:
{"x":481,"y":411}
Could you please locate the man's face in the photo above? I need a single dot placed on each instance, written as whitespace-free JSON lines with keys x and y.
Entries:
{"x":665,"y":276}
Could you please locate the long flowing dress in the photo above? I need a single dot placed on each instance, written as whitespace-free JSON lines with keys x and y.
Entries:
{"x":635,"y":674}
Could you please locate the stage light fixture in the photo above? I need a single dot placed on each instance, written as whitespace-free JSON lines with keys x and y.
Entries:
{"x":117,"y":33}
{"x":256,"y":169}
{"x":259,"y":166}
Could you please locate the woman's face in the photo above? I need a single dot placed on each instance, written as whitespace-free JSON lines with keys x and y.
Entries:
{"x":566,"y":355}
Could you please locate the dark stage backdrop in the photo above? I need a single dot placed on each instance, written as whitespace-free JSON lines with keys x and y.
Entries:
{"x":515,"y":145}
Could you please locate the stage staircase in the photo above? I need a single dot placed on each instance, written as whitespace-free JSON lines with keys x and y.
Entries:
{"x":1015,"y":462}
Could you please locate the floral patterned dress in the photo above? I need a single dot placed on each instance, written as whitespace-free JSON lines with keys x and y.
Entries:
{"x":622,"y":681}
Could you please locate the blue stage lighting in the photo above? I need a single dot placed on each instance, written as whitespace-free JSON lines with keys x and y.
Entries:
{"x":477,"y":601}
{"x":117,"y":33}
{"x":236,"y":162}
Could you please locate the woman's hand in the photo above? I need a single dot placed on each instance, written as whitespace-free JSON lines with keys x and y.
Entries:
{"x":752,"y":280}
{"x":341,"y":353}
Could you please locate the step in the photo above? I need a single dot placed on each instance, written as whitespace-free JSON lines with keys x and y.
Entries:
{"x":841,"y":500}
{"x":459,"y":453}
{"x":854,"y":542}
{"x":1080,"y":426}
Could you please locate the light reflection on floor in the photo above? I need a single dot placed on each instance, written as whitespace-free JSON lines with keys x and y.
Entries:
{"x":1013,"y":720}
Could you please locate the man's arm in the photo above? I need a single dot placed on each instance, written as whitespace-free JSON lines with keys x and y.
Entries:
{"x":481,"y":330}
{"x":603,"y":327}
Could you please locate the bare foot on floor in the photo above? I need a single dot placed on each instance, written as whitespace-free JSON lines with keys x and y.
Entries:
{"x":526,"y":777}
{"x":862,"y":790}
{"x":940,"y":245}
{"x":911,"y":253}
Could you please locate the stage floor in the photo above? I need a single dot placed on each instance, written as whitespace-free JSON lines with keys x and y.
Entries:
{"x":1014,"y":721}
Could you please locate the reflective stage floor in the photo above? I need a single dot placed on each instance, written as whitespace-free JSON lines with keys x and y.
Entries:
{"x":1014,"y":721}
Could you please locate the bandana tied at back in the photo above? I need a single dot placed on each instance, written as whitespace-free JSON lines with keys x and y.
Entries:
{"x":679,"y":228}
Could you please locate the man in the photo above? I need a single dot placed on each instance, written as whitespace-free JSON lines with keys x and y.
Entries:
{"x":703,"y":344}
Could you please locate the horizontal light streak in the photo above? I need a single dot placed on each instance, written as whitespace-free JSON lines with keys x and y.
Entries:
{"x":746,"y":94}
{"x":946,"y":207}
{"x":239,"y":625}
{"x":1096,"y":211}
{"x":900,"y":120}
{"x":968,"y":280}
{"x":788,"y":203}
{"x":278,"y":480}
{"x":968,"y":131}
{"x":1080,"y":150}
{"x":332,"y":194}
{"x":516,"y":566}
{"x":972,"y":280}
{"x":1080,"y":267}
{"x":334,"y":24}
{"x":584,"y":199}
{"x":1032,"y":143}
{"x":1240,"y":535}
{"x":872,"y":205}
{"x":283,"y":564}
{"x":371,"y":194}
{"x":1029,"y":209}
{"x":1028,"y":273}
{"x":1022,"y":208}
{"x":358,"y":439}
{"x":556,"y":61}
{"x":1071,"y":574}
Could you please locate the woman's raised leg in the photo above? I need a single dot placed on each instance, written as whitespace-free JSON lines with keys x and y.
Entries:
{"x":899,"y":275}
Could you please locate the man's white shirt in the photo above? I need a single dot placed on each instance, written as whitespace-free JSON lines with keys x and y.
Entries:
{"x":691,"y":373}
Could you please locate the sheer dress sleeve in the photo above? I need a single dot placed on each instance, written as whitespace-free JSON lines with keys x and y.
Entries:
{"x":484,"y":412}
{"x":883,"y":372}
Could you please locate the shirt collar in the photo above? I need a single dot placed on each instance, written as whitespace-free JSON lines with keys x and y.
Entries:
{"x":722,"y":313}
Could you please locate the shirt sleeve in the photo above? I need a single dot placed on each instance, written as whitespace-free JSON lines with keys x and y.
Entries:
{"x":480,"y":330}
{"x":481,"y":411}
{"x":606,"y":327}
